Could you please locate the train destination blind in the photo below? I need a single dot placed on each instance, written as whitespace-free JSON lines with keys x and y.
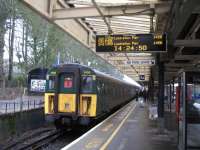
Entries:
{"x":131,"y":43}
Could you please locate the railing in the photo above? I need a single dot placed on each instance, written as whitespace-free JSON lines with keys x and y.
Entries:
{"x":19,"y":106}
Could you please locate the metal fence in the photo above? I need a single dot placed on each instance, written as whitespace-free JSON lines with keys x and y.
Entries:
{"x":18,"y":106}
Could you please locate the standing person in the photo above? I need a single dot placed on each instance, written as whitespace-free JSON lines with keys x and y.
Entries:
{"x":145,"y":95}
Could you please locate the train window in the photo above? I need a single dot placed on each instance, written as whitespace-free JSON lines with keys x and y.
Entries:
{"x":115,"y":92}
{"x":99,"y":86}
{"x":107,"y":89}
{"x":103,"y":87}
{"x":51,"y":82}
{"x":87,"y":84}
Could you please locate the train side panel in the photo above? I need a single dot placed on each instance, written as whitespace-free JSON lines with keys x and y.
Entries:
{"x":112,"y":93}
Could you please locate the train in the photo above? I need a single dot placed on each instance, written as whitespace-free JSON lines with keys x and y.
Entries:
{"x":77,"y":95}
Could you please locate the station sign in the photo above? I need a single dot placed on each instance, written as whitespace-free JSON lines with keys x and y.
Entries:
{"x":140,"y":62}
{"x":131,"y":43}
{"x":142,"y":77}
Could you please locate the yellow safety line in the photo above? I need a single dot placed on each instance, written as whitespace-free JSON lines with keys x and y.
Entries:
{"x":103,"y":147}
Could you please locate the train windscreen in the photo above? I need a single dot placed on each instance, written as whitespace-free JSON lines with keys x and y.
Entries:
{"x":50,"y":85}
{"x":87,"y":84}
{"x":51,"y":82}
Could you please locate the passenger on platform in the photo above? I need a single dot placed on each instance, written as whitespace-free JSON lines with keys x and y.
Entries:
{"x":145,"y":95}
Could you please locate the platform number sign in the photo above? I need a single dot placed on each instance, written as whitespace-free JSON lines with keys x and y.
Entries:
{"x":142,"y":77}
{"x":131,"y":43}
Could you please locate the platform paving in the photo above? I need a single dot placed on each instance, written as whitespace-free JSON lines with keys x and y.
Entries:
{"x":129,"y":129}
{"x":141,"y":133}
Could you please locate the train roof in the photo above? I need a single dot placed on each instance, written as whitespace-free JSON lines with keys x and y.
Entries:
{"x":82,"y":67}
{"x":38,"y":71}
{"x":114,"y":78}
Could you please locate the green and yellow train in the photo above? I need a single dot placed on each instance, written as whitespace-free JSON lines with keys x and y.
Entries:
{"x":77,"y":94}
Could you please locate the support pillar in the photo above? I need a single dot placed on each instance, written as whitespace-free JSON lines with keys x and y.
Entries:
{"x":151,"y":88}
{"x":160,"y":96}
{"x":173,"y":98}
{"x":170,"y":97}
{"x":161,"y":91}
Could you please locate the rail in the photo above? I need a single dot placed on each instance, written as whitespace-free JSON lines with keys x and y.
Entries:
{"x":36,"y":140}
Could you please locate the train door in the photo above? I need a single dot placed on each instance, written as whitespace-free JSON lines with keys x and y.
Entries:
{"x":67,"y":93}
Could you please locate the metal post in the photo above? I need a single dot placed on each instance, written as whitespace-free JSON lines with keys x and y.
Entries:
{"x":21,"y":107}
{"x":173,"y":91}
{"x":151,"y":21}
{"x":170,"y":97}
{"x":161,"y":91}
{"x":6,"y":108}
{"x":34,"y":104}
{"x":151,"y":24}
{"x":28,"y":104}
{"x":14,"y":107}
{"x":184,"y":89}
{"x":151,"y":89}
{"x":161,"y":83}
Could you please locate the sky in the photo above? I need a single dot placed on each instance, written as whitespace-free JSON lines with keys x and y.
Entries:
{"x":17,"y":41}
{"x":17,"y":45}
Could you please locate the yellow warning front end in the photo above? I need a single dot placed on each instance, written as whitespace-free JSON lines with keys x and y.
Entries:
{"x":48,"y":103}
{"x":88,"y":103}
{"x":67,"y":103}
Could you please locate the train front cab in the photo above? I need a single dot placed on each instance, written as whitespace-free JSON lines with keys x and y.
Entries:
{"x":49,"y":95}
{"x":74,"y":98}
{"x":88,"y":97}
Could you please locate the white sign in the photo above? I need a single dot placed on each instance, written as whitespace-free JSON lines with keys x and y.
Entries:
{"x":140,"y":62}
{"x":38,"y":85}
{"x":142,"y":77}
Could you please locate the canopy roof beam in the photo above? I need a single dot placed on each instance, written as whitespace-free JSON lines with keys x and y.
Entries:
{"x":84,"y":12}
{"x":103,"y":17}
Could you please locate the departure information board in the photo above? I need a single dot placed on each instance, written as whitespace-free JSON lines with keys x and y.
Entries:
{"x":131,"y":43}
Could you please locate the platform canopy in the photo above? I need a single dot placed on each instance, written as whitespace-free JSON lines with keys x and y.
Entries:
{"x":123,"y":17}
{"x":111,"y":17}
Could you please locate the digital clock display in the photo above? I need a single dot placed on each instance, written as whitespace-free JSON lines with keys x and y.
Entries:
{"x":131,"y":43}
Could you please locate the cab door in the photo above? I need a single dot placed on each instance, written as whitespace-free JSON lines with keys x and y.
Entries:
{"x":67,"y":93}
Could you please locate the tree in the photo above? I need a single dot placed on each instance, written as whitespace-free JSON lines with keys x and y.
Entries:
{"x":4,"y":11}
{"x":11,"y":37}
{"x":40,"y":42}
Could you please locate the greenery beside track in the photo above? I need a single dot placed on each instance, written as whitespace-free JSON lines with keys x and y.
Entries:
{"x":30,"y":41}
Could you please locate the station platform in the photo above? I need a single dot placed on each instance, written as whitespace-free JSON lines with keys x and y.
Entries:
{"x":128,"y":129}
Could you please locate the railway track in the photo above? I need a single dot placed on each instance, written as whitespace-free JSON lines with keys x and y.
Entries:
{"x":36,"y":140}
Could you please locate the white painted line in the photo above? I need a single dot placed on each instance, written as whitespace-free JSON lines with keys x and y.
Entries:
{"x":84,"y":135}
{"x":117,"y":129}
